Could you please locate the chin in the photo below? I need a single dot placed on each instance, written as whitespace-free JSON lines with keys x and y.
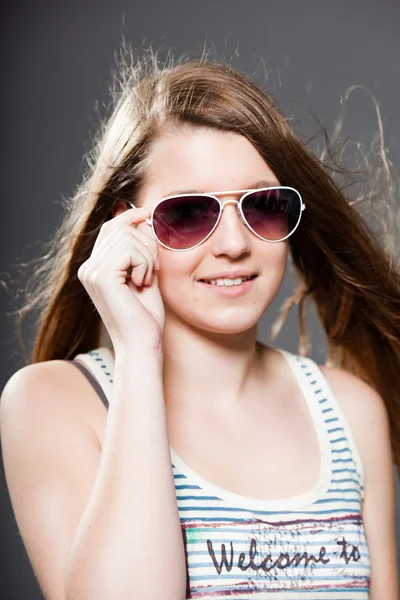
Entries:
{"x":226,"y":331}
{"x":231,"y":323}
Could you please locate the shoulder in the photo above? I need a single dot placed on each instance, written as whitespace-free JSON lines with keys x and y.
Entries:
{"x":367,"y":416}
{"x":361,"y":404}
{"x":51,"y":455}
{"x":49,"y":393}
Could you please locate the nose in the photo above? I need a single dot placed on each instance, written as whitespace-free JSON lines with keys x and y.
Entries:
{"x":232,"y":236}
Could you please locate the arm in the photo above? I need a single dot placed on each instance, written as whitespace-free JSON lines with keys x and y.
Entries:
{"x":96,"y":523}
{"x":368,"y":419}
{"x":378,"y":508}
{"x":129,"y":542}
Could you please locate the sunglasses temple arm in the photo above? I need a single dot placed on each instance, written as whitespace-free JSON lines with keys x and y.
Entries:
{"x":148,"y":221}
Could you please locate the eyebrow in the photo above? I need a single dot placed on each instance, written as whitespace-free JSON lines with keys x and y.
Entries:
{"x":254,"y":186}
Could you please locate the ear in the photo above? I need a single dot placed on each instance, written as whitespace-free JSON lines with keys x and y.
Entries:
{"x":119,"y":208}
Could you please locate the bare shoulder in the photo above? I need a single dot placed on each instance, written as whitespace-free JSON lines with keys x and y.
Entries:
{"x":359,"y":401}
{"x":367,"y":416}
{"x":51,"y":390}
{"x":51,"y":452}
{"x":365,"y":411}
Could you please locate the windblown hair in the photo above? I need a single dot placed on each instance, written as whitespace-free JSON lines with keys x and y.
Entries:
{"x":343,"y":266}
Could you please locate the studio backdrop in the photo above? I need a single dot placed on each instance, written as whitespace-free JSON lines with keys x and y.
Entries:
{"x":56,"y":65}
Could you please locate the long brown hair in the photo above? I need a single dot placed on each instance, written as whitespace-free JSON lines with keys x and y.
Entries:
{"x":341,"y":264}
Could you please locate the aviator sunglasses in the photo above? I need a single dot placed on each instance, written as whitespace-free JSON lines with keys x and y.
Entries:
{"x":184,"y":221}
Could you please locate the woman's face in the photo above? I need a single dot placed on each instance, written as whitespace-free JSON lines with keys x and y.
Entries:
{"x":209,"y":161}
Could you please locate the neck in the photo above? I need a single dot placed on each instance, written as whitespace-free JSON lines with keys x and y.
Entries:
{"x":207,"y":370}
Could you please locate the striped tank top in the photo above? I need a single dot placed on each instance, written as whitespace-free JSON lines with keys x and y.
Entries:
{"x":310,"y":546}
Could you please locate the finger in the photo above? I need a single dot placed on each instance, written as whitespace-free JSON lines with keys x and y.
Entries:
{"x":135,"y":215}
{"x":147,"y":246}
{"x":135,"y":210}
{"x":146,"y":236}
{"x":114,"y":254}
{"x":152,"y":255}
{"x":149,"y":241}
{"x":132,"y":216}
{"x":128,"y":257}
{"x":117,"y":252}
{"x":146,"y":252}
{"x":146,"y":228}
{"x":139,"y":273}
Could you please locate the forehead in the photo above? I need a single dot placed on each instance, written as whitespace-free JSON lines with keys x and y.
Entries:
{"x":204,"y":160}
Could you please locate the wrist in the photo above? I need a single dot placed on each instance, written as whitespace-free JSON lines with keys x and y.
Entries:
{"x":135,"y":351}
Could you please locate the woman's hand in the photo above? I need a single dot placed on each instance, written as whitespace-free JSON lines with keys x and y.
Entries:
{"x":130,"y":305}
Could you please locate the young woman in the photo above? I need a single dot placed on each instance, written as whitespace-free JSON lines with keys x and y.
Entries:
{"x":183,"y":458}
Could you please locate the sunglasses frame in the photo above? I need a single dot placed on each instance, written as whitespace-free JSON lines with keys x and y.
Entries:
{"x":244,"y":194}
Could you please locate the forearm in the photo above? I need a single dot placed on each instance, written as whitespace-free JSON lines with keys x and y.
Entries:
{"x":129,"y":542}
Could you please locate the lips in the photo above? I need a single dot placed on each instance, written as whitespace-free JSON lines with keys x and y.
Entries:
{"x":216,"y":278}
{"x":232,"y":290}
{"x":243,"y":273}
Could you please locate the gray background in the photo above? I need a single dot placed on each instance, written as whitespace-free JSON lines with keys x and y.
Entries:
{"x":56,"y":61}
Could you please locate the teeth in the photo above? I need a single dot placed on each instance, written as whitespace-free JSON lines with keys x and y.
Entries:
{"x":227,"y":282}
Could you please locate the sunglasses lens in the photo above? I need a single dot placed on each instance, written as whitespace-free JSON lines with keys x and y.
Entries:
{"x":272,"y":214}
{"x":181,"y":223}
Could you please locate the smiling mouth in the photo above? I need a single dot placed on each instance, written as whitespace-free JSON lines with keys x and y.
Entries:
{"x":227,"y":282}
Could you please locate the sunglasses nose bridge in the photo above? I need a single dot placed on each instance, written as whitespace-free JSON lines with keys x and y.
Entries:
{"x":237,"y":206}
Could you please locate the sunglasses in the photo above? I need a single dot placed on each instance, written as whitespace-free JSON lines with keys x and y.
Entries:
{"x":184,"y":221}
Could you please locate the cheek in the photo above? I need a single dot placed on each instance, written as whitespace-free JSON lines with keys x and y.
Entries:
{"x":273,"y":265}
{"x":176,"y":269}
{"x":274,"y":258}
